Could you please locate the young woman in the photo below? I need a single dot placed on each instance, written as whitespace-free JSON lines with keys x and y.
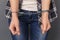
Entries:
{"x":26,"y":26}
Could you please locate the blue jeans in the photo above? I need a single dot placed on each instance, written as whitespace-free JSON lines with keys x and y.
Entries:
{"x":29,"y":27}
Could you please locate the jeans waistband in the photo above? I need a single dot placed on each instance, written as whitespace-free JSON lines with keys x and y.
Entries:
{"x":22,"y":10}
{"x":27,"y":12}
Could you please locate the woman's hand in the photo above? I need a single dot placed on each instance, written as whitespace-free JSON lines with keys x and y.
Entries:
{"x":14,"y":25}
{"x":45,"y":26}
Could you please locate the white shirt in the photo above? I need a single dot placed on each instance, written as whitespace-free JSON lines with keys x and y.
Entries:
{"x":30,"y":5}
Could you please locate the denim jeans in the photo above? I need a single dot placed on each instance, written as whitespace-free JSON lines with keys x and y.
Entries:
{"x":29,"y":27}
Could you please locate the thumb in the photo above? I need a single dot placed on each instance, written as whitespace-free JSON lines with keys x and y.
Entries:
{"x":42,"y":28}
{"x":18,"y":30}
{"x":49,"y":26}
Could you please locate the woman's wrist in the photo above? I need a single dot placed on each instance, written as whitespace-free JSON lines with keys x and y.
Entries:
{"x":14,"y":15}
{"x":45,"y":15}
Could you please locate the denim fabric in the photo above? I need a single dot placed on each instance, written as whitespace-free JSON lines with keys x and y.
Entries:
{"x":29,"y":28}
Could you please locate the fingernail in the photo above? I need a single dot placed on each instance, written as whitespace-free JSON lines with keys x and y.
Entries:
{"x":43,"y":32}
{"x":18,"y":33}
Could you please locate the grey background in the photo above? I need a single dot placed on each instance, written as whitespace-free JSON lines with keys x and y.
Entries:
{"x":53,"y":34}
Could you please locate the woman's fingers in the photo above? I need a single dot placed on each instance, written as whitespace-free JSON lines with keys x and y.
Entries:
{"x":48,"y":26}
{"x":18,"y":30}
{"x":12,"y":29}
{"x":43,"y":29}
